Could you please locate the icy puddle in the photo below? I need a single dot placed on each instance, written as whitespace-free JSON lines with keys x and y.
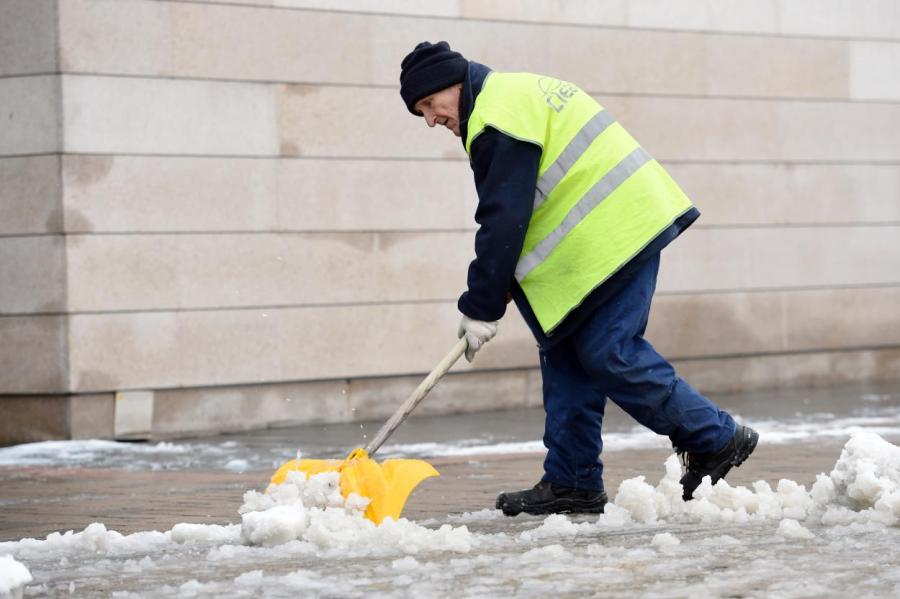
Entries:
{"x":303,"y":539}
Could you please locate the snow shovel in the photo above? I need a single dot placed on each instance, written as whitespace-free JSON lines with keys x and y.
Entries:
{"x":388,"y":484}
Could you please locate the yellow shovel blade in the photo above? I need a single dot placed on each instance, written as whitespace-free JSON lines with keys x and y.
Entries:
{"x":386,"y":485}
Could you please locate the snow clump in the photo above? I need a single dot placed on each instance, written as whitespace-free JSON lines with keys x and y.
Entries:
{"x":312,"y":510}
{"x":13,"y":576}
{"x":791,"y":529}
{"x":665,"y":539}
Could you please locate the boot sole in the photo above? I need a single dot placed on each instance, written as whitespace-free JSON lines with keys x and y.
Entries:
{"x":557,"y":506}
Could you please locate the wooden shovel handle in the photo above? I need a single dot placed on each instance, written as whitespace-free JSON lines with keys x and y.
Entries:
{"x":417,"y":396}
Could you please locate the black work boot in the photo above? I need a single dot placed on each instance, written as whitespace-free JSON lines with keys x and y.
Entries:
{"x":717,"y":465}
{"x":547,"y":498}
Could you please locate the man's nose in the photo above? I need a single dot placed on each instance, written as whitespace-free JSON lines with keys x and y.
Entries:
{"x":431,"y":119}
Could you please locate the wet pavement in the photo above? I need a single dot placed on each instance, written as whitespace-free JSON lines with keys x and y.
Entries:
{"x":133,"y":488}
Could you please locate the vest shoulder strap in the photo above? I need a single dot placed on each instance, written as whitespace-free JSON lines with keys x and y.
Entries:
{"x":508,"y":102}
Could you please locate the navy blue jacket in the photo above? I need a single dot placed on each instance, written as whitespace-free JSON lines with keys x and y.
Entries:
{"x":506,"y":170}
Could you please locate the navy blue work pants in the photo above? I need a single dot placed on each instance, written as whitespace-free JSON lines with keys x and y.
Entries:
{"x":608,"y":357}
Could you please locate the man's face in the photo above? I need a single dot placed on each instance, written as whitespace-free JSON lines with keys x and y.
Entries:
{"x":442,"y":108}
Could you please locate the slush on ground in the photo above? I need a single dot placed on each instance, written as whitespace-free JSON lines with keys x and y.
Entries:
{"x":814,"y":512}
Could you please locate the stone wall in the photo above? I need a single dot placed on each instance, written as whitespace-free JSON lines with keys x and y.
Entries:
{"x":226,"y":202}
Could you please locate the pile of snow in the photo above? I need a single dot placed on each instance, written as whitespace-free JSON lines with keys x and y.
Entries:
{"x":95,"y":538}
{"x":13,"y":576}
{"x":312,"y":510}
{"x":309,"y":516}
{"x":863,"y":487}
{"x":302,"y":516}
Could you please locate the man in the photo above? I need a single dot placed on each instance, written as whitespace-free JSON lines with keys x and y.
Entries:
{"x":573,"y":214}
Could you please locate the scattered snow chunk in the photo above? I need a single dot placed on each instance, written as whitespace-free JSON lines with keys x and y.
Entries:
{"x":250,"y":579}
{"x":405,"y":564}
{"x":791,"y":529}
{"x":237,"y":465}
{"x":186,"y":532}
{"x":665,"y":539}
{"x":13,"y":575}
{"x":275,"y":526}
{"x":613,"y":516}
{"x":554,"y":525}
{"x":547,"y":553}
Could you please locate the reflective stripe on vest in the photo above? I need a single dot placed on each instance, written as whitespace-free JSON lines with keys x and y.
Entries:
{"x":599,"y":192}
{"x":553,"y":175}
{"x":599,"y":197}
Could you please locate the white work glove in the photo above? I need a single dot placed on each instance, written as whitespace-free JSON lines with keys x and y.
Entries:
{"x":477,"y":333}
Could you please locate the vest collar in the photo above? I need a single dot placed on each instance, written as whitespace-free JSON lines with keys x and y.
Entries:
{"x":475,"y":76}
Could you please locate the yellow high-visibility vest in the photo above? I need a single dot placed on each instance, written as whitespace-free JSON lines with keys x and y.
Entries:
{"x":599,"y":199}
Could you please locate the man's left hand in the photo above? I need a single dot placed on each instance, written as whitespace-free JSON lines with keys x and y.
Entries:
{"x":477,"y":333}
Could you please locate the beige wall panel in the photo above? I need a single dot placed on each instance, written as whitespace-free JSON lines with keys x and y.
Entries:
{"x":95,"y":35}
{"x":780,"y":67}
{"x":235,"y":118}
{"x":237,"y":42}
{"x":791,"y":194}
{"x":120,"y":194}
{"x":305,"y":109}
{"x":705,"y":15}
{"x":174,"y":349}
{"x":448,"y":8}
{"x":233,"y":408}
{"x":683,"y":326}
{"x":318,"y":121}
{"x":138,"y":272}
{"x":165,"y":349}
{"x":736,"y":375}
{"x":122,"y":115}
{"x":713,"y":324}
{"x":33,"y":354}
{"x":875,"y":70}
{"x":92,"y":416}
{"x":535,"y":397}
{"x":31,"y":418}
{"x":144,"y":194}
{"x":865,"y":18}
{"x":584,"y":12}
{"x":32,"y":274}
{"x":370,"y":195}
{"x":27,"y":37}
{"x":30,"y":109}
{"x":751,"y":258}
{"x":180,"y":411}
{"x":841,"y":317}
{"x":30,"y":195}
{"x":706,"y":129}
{"x":374,"y":399}
{"x":725,"y":129}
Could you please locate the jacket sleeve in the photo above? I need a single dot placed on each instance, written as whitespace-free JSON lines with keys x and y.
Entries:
{"x":505,"y":172}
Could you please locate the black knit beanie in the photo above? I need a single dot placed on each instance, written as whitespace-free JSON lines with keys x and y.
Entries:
{"x":428,"y":69}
